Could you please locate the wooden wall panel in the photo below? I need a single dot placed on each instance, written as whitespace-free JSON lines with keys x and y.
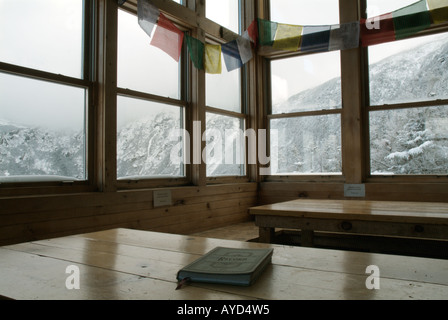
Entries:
{"x":194,"y":209}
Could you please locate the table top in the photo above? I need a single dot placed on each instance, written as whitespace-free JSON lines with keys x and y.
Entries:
{"x":123,"y":264}
{"x":387,"y":211}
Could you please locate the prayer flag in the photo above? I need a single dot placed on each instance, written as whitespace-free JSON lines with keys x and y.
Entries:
{"x":287,"y":37}
{"x":438,"y":10}
{"x":315,"y":38}
{"x":231,"y":55}
{"x":411,"y":19}
{"x":244,"y":47}
{"x":168,"y":37}
{"x":196,"y":51}
{"x":344,"y":36}
{"x":253,"y":31}
{"x":147,"y":15}
{"x":377,"y":30}
{"x":266,"y":32}
{"x":212,"y":59}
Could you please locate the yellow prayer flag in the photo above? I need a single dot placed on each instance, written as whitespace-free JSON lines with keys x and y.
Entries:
{"x":288,"y":37}
{"x":438,"y":10}
{"x":212,"y":59}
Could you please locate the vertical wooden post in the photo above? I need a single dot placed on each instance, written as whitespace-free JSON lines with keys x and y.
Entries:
{"x":352,"y":112}
{"x":106,"y":140}
{"x":307,"y":238}
{"x":266,"y":235}
{"x":199,"y":168}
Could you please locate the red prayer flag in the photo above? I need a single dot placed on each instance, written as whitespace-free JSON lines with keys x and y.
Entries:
{"x":377,"y":30}
{"x":253,"y":31}
{"x":168,"y":37}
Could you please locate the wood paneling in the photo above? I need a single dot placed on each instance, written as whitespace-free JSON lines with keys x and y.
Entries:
{"x":272,"y":192}
{"x":194,"y":209}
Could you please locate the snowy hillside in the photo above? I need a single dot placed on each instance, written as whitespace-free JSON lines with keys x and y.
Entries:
{"x":408,"y":141}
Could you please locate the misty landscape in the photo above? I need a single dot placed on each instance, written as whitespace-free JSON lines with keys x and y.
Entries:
{"x":403,"y":141}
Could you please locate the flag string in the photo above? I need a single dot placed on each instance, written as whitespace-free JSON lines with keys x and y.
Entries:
{"x":396,"y":25}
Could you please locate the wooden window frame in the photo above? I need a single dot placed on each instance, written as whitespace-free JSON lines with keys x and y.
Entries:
{"x":269,"y":54}
{"x":191,"y":16}
{"x":182,"y":103}
{"x":235,"y":115}
{"x":355,"y":109}
{"x":396,"y":178}
{"x":87,"y":82}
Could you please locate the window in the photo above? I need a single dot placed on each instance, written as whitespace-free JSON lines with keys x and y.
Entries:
{"x":305,"y":99}
{"x":44,"y":95}
{"x":150,"y":107}
{"x":304,"y":12}
{"x":225,"y":124}
{"x":225,"y":13}
{"x":409,"y":106}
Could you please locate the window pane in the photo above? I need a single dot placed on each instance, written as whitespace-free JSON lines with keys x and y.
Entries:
{"x":409,"y":141}
{"x":141,"y":66}
{"x":225,"y":148}
{"x":150,"y":139}
{"x":43,"y":34}
{"x":42,"y":130}
{"x":224,"y":90}
{"x":409,"y":70}
{"x":226,"y":13}
{"x":305,"y":12}
{"x":379,"y":7}
{"x":305,"y":83}
{"x":306,"y":145}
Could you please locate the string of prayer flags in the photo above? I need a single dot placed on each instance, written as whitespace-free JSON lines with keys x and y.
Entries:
{"x":266,"y":32}
{"x":287,"y":37}
{"x":377,"y":30}
{"x":148,"y":14}
{"x":196,"y":51}
{"x":168,"y":37}
{"x":231,"y":54}
{"x":212,"y":59}
{"x":315,"y":38}
{"x":438,"y":10}
{"x":344,"y":36}
{"x":244,"y":47}
{"x":387,"y":27}
{"x":411,"y":19}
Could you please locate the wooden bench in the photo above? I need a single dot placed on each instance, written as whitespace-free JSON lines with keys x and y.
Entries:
{"x":386,"y":218}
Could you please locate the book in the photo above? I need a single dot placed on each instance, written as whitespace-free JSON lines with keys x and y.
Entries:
{"x":232,"y":266}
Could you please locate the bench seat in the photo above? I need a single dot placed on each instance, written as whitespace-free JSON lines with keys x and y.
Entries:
{"x":387,"y":218}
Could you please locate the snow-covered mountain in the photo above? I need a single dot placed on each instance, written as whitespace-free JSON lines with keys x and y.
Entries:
{"x":28,"y":151}
{"x":408,"y":141}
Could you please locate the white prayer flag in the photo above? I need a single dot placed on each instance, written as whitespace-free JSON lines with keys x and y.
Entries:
{"x":148,"y":15}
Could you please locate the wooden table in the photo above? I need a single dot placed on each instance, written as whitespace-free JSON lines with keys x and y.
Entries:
{"x":129,"y":264}
{"x":387,"y":218}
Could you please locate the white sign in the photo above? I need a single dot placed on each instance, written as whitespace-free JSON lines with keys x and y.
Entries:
{"x":355,"y":190}
{"x":162,"y":198}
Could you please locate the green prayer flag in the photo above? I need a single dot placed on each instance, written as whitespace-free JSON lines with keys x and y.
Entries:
{"x":411,"y":19}
{"x":196,"y":51}
{"x":266,"y":32}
